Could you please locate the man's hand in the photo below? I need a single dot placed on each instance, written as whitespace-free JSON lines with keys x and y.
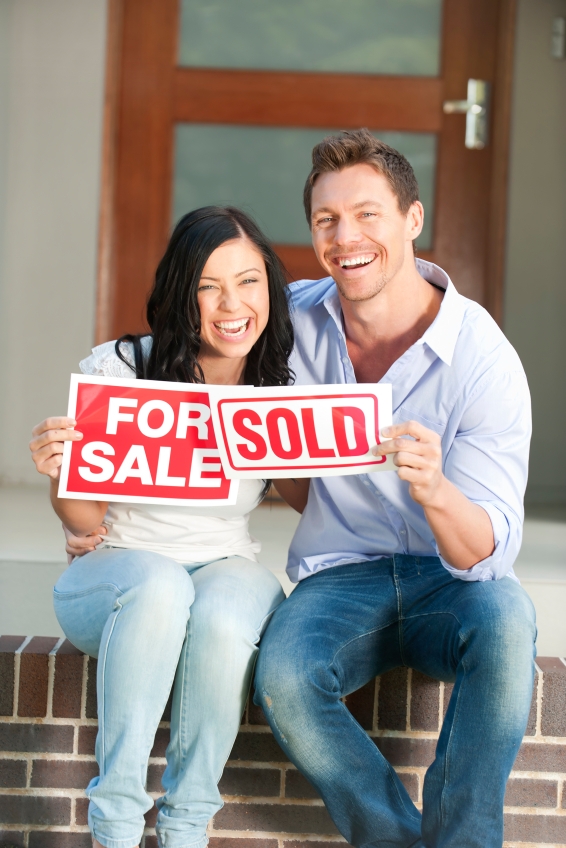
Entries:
{"x":77,"y":546}
{"x":419,"y":459}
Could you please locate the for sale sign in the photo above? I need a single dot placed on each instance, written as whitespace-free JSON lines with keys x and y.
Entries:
{"x":144,"y":441}
{"x":302,"y":431}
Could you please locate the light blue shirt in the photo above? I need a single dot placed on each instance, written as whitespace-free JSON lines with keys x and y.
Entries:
{"x":463,"y":380}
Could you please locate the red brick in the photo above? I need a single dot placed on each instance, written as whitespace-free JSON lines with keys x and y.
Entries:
{"x":8,"y":646}
{"x":275,"y":818}
{"x":68,"y":682}
{"x":541,"y":757}
{"x":151,"y":842}
{"x":91,"y":705}
{"x":22,"y":809}
{"x":63,"y":774}
{"x":236,"y":842}
{"x":160,"y":743}
{"x":81,"y":811}
{"x":13,"y":774}
{"x":11,"y":839}
{"x":34,"y":670}
{"x":54,"y":839}
{"x":87,"y":739}
{"x":407,"y":752}
{"x":297,"y":785}
{"x":411,"y":784}
{"x":256,"y":714}
{"x":151,"y":817}
{"x":257,"y":747}
{"x":393,"y":700}
{"x":260,"y":783}
{"x":553,"y":717}
{"x":361,"y":704}
{"x":524,"y":792}
{"x":532,"y":722}
{"x":36,"y":737}
{"x":537,"y":829}
{"x":425,"y":700}
{"x":448,"y":689}
{"x":154,"y":773}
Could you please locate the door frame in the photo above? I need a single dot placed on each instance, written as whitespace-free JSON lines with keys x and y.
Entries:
{"x":145,"y":94}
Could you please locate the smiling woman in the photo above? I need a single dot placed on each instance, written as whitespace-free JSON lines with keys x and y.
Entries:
{"x":175,"y":592}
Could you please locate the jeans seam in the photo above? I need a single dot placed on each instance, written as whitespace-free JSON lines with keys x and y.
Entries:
{"x":449,"y":742}
{"x":359,"y":636}
{"x":102,"y":695}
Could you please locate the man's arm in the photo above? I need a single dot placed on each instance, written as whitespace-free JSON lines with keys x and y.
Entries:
{"x":462,"y":529}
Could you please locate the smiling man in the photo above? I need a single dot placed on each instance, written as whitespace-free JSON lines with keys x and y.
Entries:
{"x":412,"y":568}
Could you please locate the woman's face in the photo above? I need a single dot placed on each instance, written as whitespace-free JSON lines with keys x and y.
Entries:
{"x":233,"y":299}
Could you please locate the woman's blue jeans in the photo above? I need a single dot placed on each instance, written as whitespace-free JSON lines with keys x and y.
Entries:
{"x":151,"y":621}
{"x":343,"y":626}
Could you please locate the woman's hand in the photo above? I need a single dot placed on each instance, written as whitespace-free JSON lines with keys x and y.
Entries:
{"x":77,"y":546}
{"x":47,"y":444}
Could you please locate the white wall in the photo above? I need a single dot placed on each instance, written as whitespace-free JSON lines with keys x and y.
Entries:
{"x":51,"y":84}
{"x":535,"y":302}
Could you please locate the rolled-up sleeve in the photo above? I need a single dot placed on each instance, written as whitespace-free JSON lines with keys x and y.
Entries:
{"x":488,"y":462}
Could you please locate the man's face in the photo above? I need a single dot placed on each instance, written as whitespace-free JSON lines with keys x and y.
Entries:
{"x":359,"y":235}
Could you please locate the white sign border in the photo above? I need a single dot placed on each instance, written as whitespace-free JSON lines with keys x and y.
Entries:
{"x":384,"y":392}
{"x":119,"y":382}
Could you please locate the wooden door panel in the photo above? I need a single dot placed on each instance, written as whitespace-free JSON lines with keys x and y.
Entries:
{"x":147,"y":95}
{"x":281,"y":98}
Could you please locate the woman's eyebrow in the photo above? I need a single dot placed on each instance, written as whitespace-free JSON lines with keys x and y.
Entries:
{"x":247,"y":271}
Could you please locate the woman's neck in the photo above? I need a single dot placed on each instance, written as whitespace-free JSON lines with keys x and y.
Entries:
{"x":221,"y":371}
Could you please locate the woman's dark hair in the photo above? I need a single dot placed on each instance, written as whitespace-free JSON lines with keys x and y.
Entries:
{"x":173,"y":313}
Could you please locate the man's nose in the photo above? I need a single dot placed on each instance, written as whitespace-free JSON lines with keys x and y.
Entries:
{"x":347,"y":231}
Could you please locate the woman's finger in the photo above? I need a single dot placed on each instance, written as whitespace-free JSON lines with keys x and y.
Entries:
{"x":60,"y":422}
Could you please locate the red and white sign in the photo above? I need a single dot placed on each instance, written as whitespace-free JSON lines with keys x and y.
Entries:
{"x":143,"y":442}
{"x":301,"y":431}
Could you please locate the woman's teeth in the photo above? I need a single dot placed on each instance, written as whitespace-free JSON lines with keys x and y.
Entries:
{"x":232,"y":328}
{"x":356,"y":261}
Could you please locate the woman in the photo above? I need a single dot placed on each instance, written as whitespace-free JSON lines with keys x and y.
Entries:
{"x":176,"y":592}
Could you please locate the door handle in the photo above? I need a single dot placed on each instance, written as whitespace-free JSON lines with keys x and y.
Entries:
{"x":476,"y":110}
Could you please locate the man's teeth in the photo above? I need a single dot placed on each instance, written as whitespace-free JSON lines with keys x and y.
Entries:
{"x":233,"y":328}
{"x":357,"y":260}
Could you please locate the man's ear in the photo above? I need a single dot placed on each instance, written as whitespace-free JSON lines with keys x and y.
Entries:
{"x":414,"y":220}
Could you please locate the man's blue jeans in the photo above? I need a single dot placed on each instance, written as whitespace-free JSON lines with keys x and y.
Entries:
{"x":149,"y":620}
{"x":343,"y":626}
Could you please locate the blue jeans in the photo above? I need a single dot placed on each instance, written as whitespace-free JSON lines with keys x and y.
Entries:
{"x":345,"y":625}
{"x":151,"y":621}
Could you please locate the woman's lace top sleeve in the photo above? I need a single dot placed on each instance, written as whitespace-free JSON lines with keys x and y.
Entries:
{"x":104,"y":362}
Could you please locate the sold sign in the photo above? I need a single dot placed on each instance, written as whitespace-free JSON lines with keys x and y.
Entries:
{"x":144,"y":441}
{"x":302,"y":431}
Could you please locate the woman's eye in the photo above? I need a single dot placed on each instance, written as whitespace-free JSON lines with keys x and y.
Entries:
{"x":250,"y":280}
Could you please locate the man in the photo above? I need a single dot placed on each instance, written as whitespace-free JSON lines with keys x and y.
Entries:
{"x":411,"y":568}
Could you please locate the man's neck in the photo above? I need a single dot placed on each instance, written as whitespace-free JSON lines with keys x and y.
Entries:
{"x":380,"y":330}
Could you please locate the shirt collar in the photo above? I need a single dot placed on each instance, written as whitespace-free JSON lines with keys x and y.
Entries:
{"x":442,"y":335}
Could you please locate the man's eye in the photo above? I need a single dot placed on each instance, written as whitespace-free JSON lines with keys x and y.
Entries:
{"x":368,"y":214}
{"x":324,"y":220}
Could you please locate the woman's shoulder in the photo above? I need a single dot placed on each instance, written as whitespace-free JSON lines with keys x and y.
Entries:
{"x":105,"y":362}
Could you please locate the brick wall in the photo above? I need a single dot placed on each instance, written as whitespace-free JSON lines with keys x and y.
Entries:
{"x":48,"y":727}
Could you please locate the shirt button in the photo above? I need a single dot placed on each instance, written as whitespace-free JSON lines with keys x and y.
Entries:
{"x":345,"y":359}
{"x":403,"y":532}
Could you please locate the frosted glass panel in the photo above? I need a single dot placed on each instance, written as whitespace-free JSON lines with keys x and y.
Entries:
{"x":263,"y":170}
{"x":346,"y":36}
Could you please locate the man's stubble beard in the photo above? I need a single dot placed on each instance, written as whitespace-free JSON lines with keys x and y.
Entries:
{"x":380,"y":284}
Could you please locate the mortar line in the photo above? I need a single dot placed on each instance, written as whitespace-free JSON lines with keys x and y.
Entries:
{"x":409,"y":696}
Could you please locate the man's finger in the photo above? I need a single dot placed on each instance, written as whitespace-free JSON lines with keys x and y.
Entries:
{"x":408,"y":428}
{"x":51,"y":436}
{"x":409,"y":460}
{"x":392,"y":446}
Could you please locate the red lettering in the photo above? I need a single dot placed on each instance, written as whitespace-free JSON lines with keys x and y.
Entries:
{"x":339,"y":414}
{"x":272,"y":422}
{"x":314,"y":449}
{"x":238,"y":422}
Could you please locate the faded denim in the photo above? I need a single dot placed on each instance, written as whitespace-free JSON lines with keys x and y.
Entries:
{"x":153,"y":622}
{"x":345,"y":625}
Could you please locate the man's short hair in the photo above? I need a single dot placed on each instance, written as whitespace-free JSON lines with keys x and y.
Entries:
{"x":360,"y":147}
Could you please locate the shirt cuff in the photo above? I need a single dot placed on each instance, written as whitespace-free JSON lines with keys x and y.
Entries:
{"x":500,"y":562}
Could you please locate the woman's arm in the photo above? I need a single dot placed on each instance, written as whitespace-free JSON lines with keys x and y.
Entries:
{"x":81,"y":517}
{"x":294,"y":492}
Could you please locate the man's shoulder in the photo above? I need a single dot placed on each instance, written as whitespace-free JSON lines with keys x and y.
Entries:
{"x":482,"y":341}
{"x":305,"y":294}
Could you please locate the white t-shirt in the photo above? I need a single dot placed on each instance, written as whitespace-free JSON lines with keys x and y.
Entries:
{"x":184,"y":533}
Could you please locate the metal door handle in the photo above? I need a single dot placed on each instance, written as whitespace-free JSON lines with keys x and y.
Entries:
{"x":476,"y":110}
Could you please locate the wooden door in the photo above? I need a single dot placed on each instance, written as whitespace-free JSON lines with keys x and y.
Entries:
{"x":148,"y":95}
